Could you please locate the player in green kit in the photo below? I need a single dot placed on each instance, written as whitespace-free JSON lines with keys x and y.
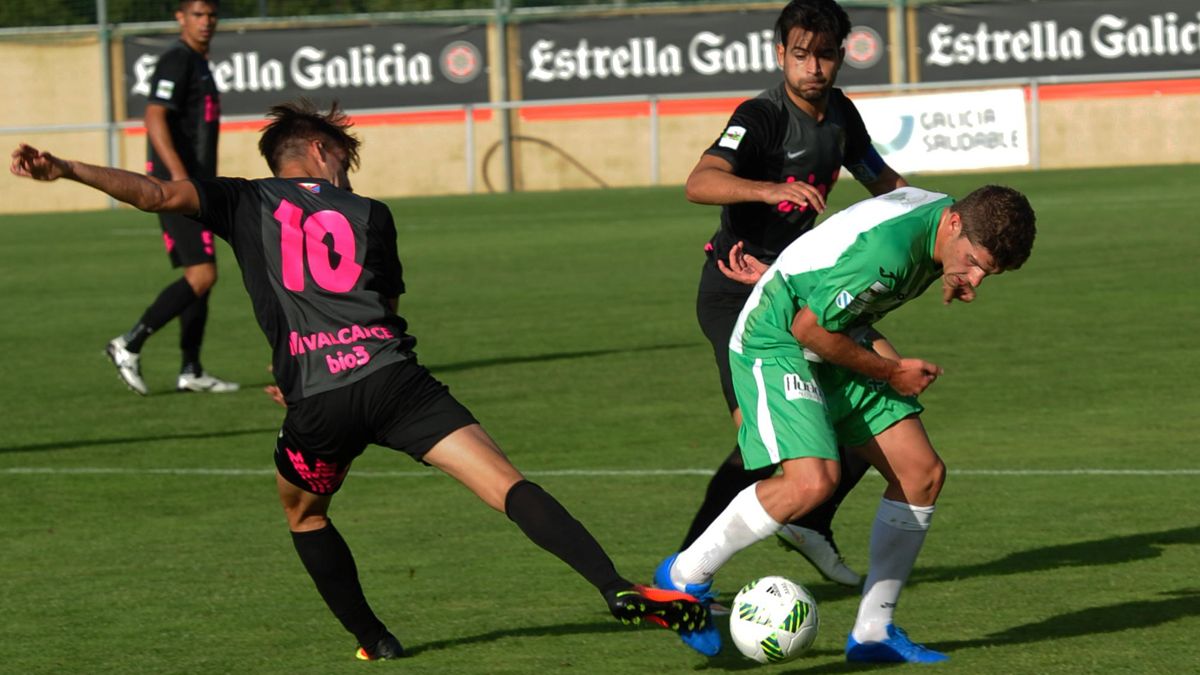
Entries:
{"x":807,"y":379}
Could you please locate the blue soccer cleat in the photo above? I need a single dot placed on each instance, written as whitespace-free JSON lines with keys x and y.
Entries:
{"x":706,"y":639}
{"x":897,"y":648}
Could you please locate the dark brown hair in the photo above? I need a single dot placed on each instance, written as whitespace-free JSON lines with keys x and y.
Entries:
{"x":821,"y":17}
{"x":295,"y":123}
{"x":1000,"y":220}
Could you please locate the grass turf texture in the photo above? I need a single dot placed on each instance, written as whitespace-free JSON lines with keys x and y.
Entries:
{"x":565,"y":322}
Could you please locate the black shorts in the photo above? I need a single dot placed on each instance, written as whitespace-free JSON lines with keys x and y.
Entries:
{"x":402,"y":407}
{"x":188,"y":242}
{"x":717,"y":310}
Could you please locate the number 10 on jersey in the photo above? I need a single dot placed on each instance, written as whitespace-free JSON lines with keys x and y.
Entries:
{"x":299,"y":242}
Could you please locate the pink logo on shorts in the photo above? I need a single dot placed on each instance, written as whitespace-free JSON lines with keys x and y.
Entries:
{"x":168,"y":242}
{"x":323,"y":479}
{"x":207,"y":238}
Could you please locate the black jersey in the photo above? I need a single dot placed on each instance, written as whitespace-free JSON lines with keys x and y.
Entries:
{"x":184,"y":85}
{"x":321,"y":268}
{"x":769,"y":139}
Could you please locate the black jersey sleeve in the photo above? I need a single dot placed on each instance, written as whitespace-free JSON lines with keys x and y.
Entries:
{"x":861,"y":158}
{"x":382,"y":256}
{"x":747,"y":135}
{"x":219,"y":202}
{"x":169,"y":82}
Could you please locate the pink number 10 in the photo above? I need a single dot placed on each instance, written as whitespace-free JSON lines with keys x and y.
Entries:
{"x":294,"y":238}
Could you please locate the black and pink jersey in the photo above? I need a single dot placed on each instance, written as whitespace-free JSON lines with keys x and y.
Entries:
{"x":321,"y":267}
{"x":183,"y":84}
{"x":769,"y":139}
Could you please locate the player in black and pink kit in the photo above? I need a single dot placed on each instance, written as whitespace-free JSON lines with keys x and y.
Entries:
{"x":183,"y":121}
{"x":321,"y":267}
{"x":770,"y":169}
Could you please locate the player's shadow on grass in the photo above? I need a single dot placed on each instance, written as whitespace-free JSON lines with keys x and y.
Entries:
{"x":1136,"y":614}
{"x":553,"y":630}
{"x":129,"y":440}
{"x":1112,"y":551}
{"x":553,"y":356}
{"x":1116,"y":618}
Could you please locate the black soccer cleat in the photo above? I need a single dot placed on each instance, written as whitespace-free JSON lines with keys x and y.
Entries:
{"x":670,"y":609}
{"x":387,"y":647}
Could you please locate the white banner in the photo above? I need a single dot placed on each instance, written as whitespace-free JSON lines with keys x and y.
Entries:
{"x":948,"y":132}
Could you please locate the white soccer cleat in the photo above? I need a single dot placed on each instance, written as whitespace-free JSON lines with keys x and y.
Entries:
{"x":819,"y":551}
{"x":129,"y":366}
{"x":205,"y":383}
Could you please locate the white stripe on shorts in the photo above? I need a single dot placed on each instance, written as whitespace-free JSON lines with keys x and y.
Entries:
{"x":766,"y":430}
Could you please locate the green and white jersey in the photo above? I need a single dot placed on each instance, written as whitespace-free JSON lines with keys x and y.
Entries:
{"x":851,"y":271}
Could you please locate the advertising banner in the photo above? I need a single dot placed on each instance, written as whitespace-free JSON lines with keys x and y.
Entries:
{"x":948,"y":132}
{"x":1066,"y":37}
{"x":679,"y":53}
{"x":362,"y":67}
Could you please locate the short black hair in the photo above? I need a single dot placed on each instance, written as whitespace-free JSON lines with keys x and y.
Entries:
{"x":999,"y":219}
{"x":293,"y":124}
{"x":821,"y":17}
{"x":183,"y":4}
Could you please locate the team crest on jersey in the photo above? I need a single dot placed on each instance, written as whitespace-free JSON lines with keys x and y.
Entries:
{"x":732,"y":137}
{"x":314,"y":188}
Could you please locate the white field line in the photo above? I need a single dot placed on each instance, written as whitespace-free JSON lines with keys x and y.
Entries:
{"x":587,"y":473}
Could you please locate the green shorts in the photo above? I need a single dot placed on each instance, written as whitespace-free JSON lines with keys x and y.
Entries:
{"x":793,"y":408}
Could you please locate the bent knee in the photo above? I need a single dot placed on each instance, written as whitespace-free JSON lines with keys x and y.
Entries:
{"x":809,"y":491}
{"x":922,"y":485}
{"x":201,"y":278}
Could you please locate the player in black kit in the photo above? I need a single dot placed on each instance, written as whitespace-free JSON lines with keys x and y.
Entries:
{"x":321,"y":267}
{"x":182,"y":124}
{"x":770,"y":170}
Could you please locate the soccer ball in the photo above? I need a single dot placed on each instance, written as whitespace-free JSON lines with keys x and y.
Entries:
{"x":774,"y":620}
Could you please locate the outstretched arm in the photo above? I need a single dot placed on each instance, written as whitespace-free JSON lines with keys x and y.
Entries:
{"x":143,"y":192}
{"x":907,"y":376}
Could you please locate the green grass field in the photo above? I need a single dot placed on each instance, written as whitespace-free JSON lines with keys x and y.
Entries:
{"x":143,"y":535}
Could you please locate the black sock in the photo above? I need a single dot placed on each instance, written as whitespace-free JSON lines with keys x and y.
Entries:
{"x":821,"y":518}
{"x":330,"y":564}
{"x":730,"y":479}
{"x":548,"y":524}
{"x":169,"y":304}
{"x":191,"y":333}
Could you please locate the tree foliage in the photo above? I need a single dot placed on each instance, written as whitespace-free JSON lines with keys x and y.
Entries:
{"x":32,"y":13}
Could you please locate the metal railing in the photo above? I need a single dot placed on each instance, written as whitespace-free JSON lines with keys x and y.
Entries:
{"x":1033,"y":84}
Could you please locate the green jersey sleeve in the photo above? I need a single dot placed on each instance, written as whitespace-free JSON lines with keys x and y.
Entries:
{"x":857,"y":290}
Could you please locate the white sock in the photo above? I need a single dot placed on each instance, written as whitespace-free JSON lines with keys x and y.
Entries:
{"x":741,"y":524}
{"x":896,"y":538}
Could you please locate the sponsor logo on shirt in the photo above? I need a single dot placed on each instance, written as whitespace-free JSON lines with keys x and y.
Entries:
{"x":894,"y":284}
{"x":164,"y":89}
{"x":856,"y":304}
{"x":796,"y":387}
{"x":732,"y":137}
